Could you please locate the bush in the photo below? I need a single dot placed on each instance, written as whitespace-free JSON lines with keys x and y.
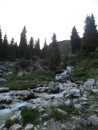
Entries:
{"x":8,"y":123}
{"x":30,"y":116}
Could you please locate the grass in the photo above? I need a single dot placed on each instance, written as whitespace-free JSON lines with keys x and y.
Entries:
{"x":26,"y":81}
{"x":30,"y":116}
{"x":85,"y":67}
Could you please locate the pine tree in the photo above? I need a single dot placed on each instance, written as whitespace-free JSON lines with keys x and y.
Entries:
{"x":75,"y":40}
{"x":54,"y":54}
{"x":23,"y":44}
{"x":90,"y":36}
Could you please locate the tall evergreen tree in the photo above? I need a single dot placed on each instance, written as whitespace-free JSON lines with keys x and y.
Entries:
{"x":12,"y":50}
{"x":44,"y":51}
{"x":23,"y":44}
{"x":31,"y":47}
{"x":54,"y":54}
{"x":75,"y":40}
{"x":37,"y":51}
{"x":90,"y":36}
{"x":1,"y":51}
{"x":5,"y":47}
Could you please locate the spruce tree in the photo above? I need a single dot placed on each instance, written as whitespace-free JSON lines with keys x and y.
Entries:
{"x":75,"y":40}
{"x":1,"y":51}
{"x":31,"y":48}
{"x":5,"y":48}
{"x":37,"y":51}
{"x":23,"y":44}
{"x":54,"y":54}
{"x":90,"y":36}
{"x":44,"y":51}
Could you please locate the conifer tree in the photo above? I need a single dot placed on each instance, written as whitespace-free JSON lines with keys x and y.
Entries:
{"x":75,"y":40}
{"x":23,"y":44}
{"x":1,"y":51}
{"x":90,"y":36}
{"x":37,"y":51}
{"x":54,"y":54}
{"x":31,"y":48}
{"x":44,"y":51}
{"x":5,"y":47}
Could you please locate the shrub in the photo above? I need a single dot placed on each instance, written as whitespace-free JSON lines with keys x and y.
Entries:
{"x":8,"y":123}
{"x":30,"y":116}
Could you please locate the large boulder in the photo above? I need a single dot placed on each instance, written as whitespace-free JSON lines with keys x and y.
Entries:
{"x":4,"y":89}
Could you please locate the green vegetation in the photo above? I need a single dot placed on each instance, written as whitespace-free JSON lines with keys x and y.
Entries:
{"x":85,"y":68}
{"x":8,"y":123}
{"x":26,"y":81}
{"x":30,"y":116}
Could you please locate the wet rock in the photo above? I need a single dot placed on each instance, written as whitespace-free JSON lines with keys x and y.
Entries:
{"x":93,"y":120}
{"x":16,"y":127}
{"x":4,"y":89}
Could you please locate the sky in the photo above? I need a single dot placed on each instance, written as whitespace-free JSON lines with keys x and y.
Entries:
{"x":42,"y":18}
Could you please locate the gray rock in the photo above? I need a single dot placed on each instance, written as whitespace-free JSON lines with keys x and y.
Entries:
{"x":93,"y":120}
{"x":78,"y":106}
{"x":68,"y":103}
{"x":4,"y":89}
{"x":74,"y":92}
{"x":29,"y":127}
{"x":2,"y":80}
{"x":62,"y":113}
{"x":95,"y":90}
{"x":16,"y":127}
{"x":54,"y":87}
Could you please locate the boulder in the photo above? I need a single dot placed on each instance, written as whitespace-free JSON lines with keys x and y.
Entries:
{"x":62,"y":113}
{"x":29,"y":127}
{"x":93,"y":120}
{"x":74,"y":92}
{"x":16,"y":127}
{"x":2,"y":80}
{"x":4,"y":89}
{"x":90,"y":82}
{"x":54,"y":87}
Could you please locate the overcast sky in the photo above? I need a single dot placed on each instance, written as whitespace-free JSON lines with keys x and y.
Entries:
{"x":44,"y":17}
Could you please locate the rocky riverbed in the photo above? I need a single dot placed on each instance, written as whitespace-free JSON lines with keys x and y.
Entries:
{"x":79,"y":100}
